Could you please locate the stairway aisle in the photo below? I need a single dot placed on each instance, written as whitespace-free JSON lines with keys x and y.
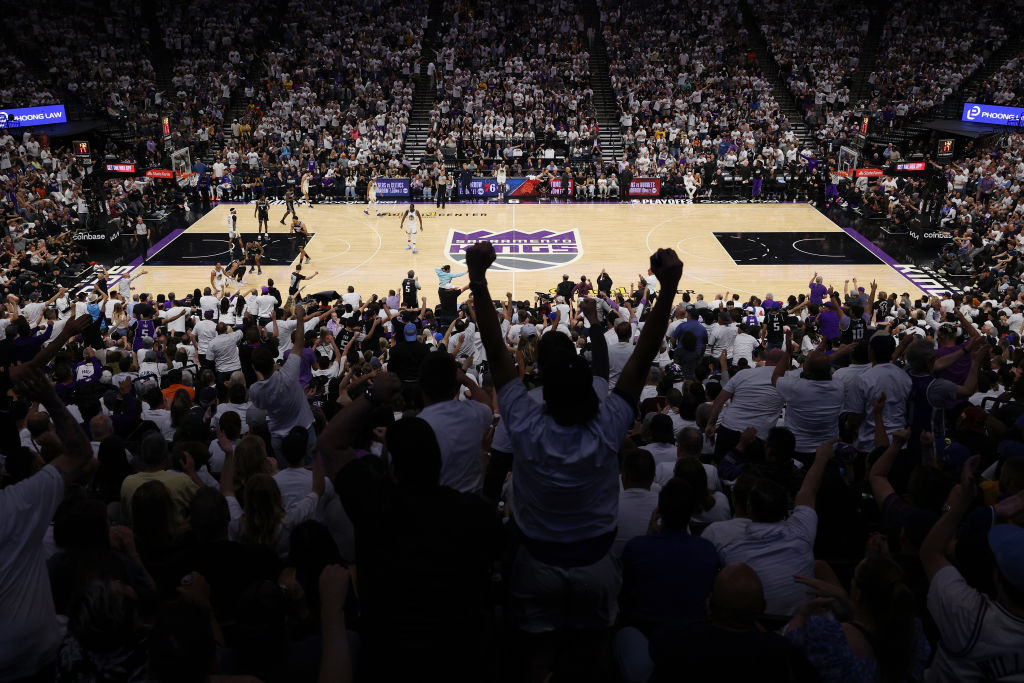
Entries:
{"x":423,"y":89}
{"x":770,"y":69}
{"x":861,"y":89}
{"x":605,"y":102}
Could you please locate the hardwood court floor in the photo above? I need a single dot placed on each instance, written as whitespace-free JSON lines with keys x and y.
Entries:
{"x":748,"y":249}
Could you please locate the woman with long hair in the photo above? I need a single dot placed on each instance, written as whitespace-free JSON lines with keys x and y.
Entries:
{"x":181,"y":404}
{"x":879,"y":638}
{"x":709,"y":506}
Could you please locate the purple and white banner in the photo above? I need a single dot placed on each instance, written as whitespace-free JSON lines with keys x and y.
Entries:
{"x":32,"y":116}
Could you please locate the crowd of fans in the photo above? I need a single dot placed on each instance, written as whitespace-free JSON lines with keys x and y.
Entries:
{"x":511,"y":81}
{"x":1005,"y":87}
{"x":920,"y":63}
{"x":778,"y":478}
{"x":817,"y":53}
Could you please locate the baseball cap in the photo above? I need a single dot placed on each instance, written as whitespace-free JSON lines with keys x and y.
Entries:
{"x":264,"y":289}
{"x":255,"y":417}
{"x":148,"y":342}
{"x":528,"y":330}
{"x":410,"y":332}
{"x":1007,"y":543}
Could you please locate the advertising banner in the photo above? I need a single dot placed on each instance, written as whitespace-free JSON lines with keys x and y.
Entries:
{"x":160,"y":173}
{"x":990,"y":113}
{"x":645,"y":187}
{"x":392,"y":187}
{"x":868,"y":173}
{"x":120,"y":168}
{"x":32,"y":116}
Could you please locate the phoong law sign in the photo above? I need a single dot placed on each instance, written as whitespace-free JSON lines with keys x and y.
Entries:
{"x":990,"y":113}
{"x":32,"y":116}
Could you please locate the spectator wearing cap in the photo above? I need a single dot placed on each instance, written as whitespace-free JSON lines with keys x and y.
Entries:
{"x":205,"y":332}
{"x":407,"y":355}
{"x":460,"y":426}
{"x":980,"y":636}
{"x":636,"y":500}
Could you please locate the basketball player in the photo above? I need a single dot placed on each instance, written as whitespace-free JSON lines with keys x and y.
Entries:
{"x":410,"y":288}
{"x":289,"y":206}
{"x":233,"y":235}
{"x":218,"y":280}
{"x":296,"y":278}
{"x":415,"y":225}
{"x":301,"y":235}
{"x":501,"y":176}
{"x":262,"y":214}
{"x":371,"y":196}
{"x":254,"y":257}
{"x":306,"y":177}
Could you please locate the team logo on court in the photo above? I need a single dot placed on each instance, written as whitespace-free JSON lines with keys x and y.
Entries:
{"x":519,"y":250}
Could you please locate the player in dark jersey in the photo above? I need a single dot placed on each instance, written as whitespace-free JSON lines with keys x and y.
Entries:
{"x":410,"y":288}
{"x":289,"y":206}
{"x":254,"y":257}
{"x":262,"y":214}
{"x":295,"y":283}
{"x":773,"y":330}
{"x":300,"y":235}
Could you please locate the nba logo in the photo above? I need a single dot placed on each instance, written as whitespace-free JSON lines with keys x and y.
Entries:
{"x":517,"y":250}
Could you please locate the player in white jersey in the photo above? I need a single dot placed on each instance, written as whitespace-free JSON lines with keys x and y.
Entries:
{"x":233,"y":236}
{"x":371,"y":196}
{"x":501,"y":176}
{"x":306,"y":177}
{"x":218,"y":280}
{"x":412,"y":229}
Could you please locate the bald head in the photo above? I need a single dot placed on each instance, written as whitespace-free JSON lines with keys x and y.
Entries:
{"x":101,"y":427}
{"x":737,"y":596}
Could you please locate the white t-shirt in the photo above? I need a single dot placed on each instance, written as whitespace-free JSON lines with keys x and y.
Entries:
{"x":635,"y":509}
{"x":175,"y":325}
{"x":755,"y":402}
{"x":812,"y":410}
{"x":775,"y":551}
{"x":353,"y":299}
{"x":895,"y":384}
{"x":460,"y":427}
{"x":29,"y":635}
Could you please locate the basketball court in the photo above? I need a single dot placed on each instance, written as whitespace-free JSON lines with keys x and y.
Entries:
{"x":750,"y":249}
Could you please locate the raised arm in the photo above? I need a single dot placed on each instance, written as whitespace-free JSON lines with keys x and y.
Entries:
{"x":812,"y":481}
{"x":479,"y":258}
{"x":334,"y":442}
{"x":35,"y":386}
{"x":667,"y":268}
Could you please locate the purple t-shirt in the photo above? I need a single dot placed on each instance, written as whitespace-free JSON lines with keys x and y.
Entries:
{"x":958,"y":371}
{"x":818,"y":292}
{"x":828,"y":323}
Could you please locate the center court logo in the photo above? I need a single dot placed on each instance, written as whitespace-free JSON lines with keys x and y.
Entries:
{"x":973,"y":112}
{"x":519,"y":250}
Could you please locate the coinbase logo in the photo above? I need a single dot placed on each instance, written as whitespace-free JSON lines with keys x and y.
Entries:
{"x":973,"y":112}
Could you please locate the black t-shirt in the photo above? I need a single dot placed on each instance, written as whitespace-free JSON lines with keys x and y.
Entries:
{"x":565,"y":288}
{"x":449,"y":301}
{"x":405,"y":359}
{"x":409,"y":291}
{"x":774,"y":323}
{"x":293,"y":284}
{"x":855,"y":332}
